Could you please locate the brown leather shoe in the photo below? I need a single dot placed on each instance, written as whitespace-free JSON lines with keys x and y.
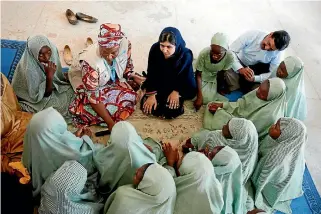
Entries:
{"x":86,"y":18}
{"x":71,"y":17}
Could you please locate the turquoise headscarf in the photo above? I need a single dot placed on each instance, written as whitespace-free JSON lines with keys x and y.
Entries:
{"x":63,"y":192}
{"x":262,"y":113}
{"x":48,"y":144}
{"x":29,"y":80}
{"x":118,"y":161}
{"x":228,"y":170}
{"x":278,"y":176}
{"x":295,"y":90}
{"x":244,"y":141}
{"x":198,"y":190}
{"x":155,"y":194}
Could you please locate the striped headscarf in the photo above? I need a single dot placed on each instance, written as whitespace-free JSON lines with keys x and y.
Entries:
{"x":110,"y":35}
{"x":278,"y":176}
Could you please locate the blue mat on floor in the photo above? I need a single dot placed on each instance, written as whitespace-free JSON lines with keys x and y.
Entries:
{"x":309,"y":203}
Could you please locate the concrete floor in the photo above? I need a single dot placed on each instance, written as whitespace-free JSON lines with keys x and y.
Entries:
{"x":197,"y":21}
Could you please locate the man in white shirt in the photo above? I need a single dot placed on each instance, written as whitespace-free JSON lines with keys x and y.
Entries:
{"x":258,"y":54}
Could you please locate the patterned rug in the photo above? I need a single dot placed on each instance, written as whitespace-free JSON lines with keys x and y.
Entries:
{"x":174,"y":130}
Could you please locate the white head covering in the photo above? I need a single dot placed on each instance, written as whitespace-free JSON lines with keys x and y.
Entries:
{"x":155,"y":194}
{"x":220,"y":39}
{"x":198,"y":190}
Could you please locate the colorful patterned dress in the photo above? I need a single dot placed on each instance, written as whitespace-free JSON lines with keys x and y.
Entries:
{"x":117,"y":96}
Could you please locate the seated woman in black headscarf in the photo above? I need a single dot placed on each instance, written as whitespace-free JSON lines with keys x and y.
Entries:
{"x":170,"y":77}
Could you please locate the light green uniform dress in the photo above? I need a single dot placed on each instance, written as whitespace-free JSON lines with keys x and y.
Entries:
{"x":228,"y":170}
{"x":65,"y":192}
{"x":244,"y":141}
{"x":295,"y":90}
{"x":29,"y":80}
{"x":155,"y":194}
{"x":209,"y":70}
{"x":262,"y":113}
{"x":198,"y":190}
{"x":48,"y":144}
{"x":278,"y":176}
{"x":118,"y":161}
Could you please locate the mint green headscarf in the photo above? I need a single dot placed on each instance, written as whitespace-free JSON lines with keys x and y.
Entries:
{"x":64,"y":192}
{"x":198,"y":190}
{"x":244,"y":141}
{"x":295,"y":90}
{"x":118,"y":161}
{"x":262,"y":113}
{"x":29,"y":80}
{"x":155,"y":194}
{"x":209,"y":70}
{"x":228,"y":170}
{"x":278,"y":176}
{"x":48,"y":144}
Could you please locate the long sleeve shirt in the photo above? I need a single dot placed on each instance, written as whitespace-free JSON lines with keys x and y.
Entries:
{"x":248,"y":50}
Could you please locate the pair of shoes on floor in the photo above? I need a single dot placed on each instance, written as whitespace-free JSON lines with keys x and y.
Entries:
{"x":67,"y":51}
{"x":73,"y":19}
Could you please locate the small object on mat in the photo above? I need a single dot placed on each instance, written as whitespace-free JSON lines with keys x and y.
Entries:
{"x":71,"y":17}
{"x":102,"y":133}
{"x":86,"y":18}
{"x":89,"y":42}
{"x":67,"y":55}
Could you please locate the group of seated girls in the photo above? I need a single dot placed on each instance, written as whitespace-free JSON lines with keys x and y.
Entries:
{"x":249,"y":158}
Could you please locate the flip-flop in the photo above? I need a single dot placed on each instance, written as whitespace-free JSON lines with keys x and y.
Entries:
{"x":72,"y":19}
{"x":86,"y":18}
{"x":67,"y":55}
{"x":89,"y":42}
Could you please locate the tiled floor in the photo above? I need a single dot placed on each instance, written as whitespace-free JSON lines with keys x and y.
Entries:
{"x":197,"y":20}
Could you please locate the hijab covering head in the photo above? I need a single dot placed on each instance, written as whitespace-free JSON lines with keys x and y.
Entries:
{"x":180,"y":44}
{"x":29,"y":79}
{"x":156,"y":193}
{"x":228,"y":170}
{"x":295,"y":90}
{"x":244,"y":141}
{"x":262,"y":113}
{"x":198,"y":190}
{"x":176,"y":71}
{"x":63,"y":191}
{"x":48,"y":144}
{"x":278,"y":176}
{"x":119,"y":160}
{"x":220,"y":39}
{"x":110,"y":35}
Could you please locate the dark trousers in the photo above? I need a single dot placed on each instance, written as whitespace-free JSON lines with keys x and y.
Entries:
{"x":163,"y":109}
{"x":259,"y":68}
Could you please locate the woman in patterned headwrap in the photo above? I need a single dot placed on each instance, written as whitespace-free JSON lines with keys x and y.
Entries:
{"x":38,"y":80}
{"x":99,"y":76}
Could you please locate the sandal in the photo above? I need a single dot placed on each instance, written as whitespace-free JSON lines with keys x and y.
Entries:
{"x":72,"y":19}
{"x":89,"y":42}
{"x":86,"y":18}
{"x":67,"y":55}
